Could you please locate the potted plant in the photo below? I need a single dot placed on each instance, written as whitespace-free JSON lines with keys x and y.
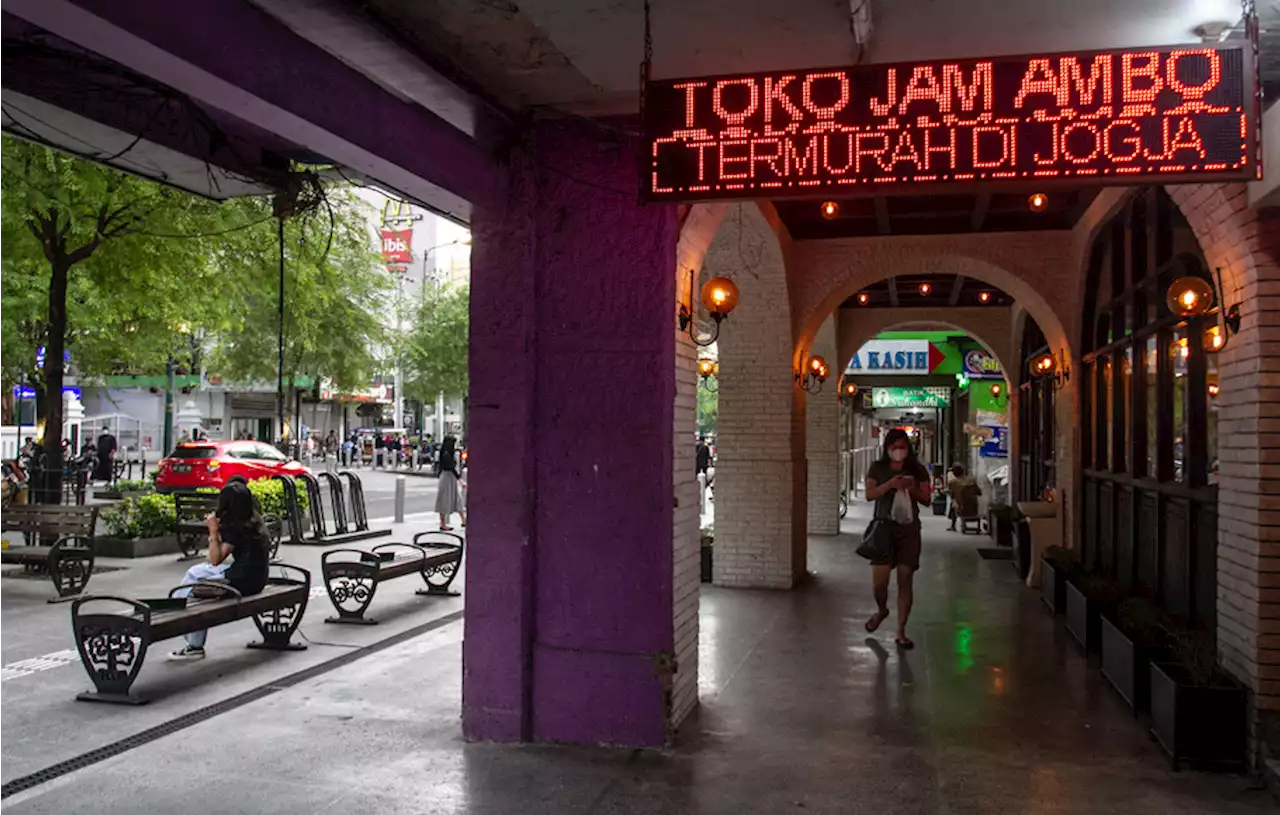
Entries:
{"x":1198,"y":712}
{"x":1000,"y":523}
{"x":140,"y":526}
{"x":1056,"y":566}
{"x":707,"y":537}
{"x":1087,"y":595}
{"x":1131,"y":639}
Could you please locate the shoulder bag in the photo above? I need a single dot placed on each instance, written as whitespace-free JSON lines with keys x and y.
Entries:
{"x":877,"y":540}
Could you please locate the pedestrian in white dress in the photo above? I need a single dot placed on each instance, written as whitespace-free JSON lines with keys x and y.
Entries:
{"x":449,"y":494}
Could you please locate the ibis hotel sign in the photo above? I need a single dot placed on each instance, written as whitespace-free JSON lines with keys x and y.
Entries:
{"x":1141,"y":115}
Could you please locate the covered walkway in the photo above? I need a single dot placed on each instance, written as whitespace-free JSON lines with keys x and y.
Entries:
{"x":995,"y":711}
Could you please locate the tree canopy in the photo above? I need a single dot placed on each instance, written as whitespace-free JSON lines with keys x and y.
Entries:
{"x":435,"y":345}
{"x":125,"y":273}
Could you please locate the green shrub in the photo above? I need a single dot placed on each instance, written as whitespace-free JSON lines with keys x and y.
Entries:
{"x":136,"y":485}
{"x":153,"y":515}
{"x":147,"y":516}
{"x":270,"y":495}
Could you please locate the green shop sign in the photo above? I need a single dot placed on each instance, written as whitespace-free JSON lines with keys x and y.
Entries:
{"x":926,"y":397}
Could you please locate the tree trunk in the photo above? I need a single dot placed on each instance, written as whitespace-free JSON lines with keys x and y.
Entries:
{"x":49,"y":487}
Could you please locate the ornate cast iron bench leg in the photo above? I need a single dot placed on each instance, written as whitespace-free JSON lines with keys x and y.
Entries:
{"x":440,"y":577}
{"x":189,"y":545}
{"x":112,"y":648}
{"x":70,"y":566}
{"x":351,"y":585}
{"x":275,"y":529}
{"x":278,"y":624}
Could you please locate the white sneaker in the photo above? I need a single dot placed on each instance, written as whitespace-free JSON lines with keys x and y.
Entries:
{"x":187,"y":653}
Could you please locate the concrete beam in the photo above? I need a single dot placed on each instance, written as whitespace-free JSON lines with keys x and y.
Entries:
{"x":239,"y":59}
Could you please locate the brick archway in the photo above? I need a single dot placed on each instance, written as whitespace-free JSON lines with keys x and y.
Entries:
{"x":1036,"y":268}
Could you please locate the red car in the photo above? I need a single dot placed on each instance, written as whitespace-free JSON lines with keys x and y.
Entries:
{"x":215,"y":463}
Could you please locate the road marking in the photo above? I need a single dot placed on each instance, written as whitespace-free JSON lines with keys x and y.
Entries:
{"x":27,"y":667}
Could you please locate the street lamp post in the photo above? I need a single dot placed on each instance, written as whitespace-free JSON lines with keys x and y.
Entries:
{"x":427,"y":254}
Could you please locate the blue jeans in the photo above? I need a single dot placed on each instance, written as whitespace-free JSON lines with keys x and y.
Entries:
{"x":198,"y":572}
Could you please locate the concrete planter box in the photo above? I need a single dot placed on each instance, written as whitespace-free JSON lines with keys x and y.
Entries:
{"x":1126,"y":663}
{"x":135,"y":547}
{"x":1053,"y":587}
{"x":1201,"y":724}
{"x":1083,"y":617}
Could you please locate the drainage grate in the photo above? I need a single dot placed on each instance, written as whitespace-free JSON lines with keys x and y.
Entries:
{"x":197,"y":716}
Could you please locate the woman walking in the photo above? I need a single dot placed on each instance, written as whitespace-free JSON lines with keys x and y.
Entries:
{"x":448,"y":495}
{"x":897,"y":484}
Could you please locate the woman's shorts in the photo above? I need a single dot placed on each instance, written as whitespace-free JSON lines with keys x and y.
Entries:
{"x":906,"y":546}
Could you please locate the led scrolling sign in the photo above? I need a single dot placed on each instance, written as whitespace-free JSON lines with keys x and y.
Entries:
{"x":1115,"y":117}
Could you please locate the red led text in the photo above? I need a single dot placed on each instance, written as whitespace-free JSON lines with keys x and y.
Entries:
{"x":1118,"y":117}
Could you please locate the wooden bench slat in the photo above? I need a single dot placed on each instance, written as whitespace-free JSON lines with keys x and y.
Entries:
{"x":26,"y":555}
{"x":201,"y":614}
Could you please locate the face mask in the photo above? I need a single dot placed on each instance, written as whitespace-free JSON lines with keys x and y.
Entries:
{"x":898,"y":455}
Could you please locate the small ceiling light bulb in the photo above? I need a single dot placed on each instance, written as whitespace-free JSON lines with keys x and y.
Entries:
{"x":830,"y":209}
{"x":925,"y":288}
{"x":984,"y":297}
{"x":863,"y":298}
{"x":1038,"y":202}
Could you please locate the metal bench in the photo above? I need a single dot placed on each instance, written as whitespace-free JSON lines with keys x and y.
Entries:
{"x":59,"y":541}
{"x":352,"y":583}
{"x":113,"y":646}
{"x":190,"y":510}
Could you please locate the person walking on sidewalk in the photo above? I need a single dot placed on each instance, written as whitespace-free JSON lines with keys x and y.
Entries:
{"x":448,"y":495}
{"x":897,"y":484}
{"x":236,"y":531}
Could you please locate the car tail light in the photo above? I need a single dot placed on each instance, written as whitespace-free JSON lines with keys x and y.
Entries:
{"x":213,"y":465}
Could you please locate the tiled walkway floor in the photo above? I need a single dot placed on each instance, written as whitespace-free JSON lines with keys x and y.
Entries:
{"x":993,"y":712}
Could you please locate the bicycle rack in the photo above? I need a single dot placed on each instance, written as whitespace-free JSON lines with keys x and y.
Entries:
{"x":316,"y":500}
{"x":294,"y":516}
{"x":342,"y":533}
{"x":337,"y":502}
{"x":358,"y":510}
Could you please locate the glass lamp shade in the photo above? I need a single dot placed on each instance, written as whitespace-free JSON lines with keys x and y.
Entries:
{"x":1189,"y":296}
{"x":720,"y":296}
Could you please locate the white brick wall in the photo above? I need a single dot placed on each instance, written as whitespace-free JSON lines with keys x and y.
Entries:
{"x":822,"y":439}
{"x":700,"y":224}
{"x":760,"y":466}
{"x":1245,"y":244}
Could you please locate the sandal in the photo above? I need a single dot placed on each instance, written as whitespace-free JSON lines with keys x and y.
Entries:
{"x":876,"y":619}
{"x":904,"y":643}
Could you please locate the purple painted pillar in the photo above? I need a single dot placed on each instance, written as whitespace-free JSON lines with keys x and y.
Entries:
{"x":569,"y":629}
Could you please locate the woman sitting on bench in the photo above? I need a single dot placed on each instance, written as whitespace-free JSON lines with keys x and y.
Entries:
{"x":236,"y":530}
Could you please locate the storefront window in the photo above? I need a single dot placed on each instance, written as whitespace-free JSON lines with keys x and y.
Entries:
{"x":1211,"y":417}
{"x":1108,"y":410}
{"x":1125,"y":408}
{"x":1180,"y":351}
{"x":1153,"y":439}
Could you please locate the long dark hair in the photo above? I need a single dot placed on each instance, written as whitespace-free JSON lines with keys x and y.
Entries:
{"x":448,"y":458}
{"x":893,"y":437}
{"x":238,"y":518}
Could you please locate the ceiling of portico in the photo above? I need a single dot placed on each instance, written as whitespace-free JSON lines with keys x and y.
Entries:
{"x":583,"y":55}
